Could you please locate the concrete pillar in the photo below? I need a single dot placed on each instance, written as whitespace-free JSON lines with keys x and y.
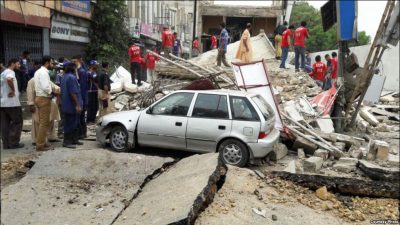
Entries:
{"x":46,"y":41}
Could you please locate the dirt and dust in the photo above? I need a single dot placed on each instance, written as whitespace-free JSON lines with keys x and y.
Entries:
{"x":15,"y":168}
{"x":244,"y":193}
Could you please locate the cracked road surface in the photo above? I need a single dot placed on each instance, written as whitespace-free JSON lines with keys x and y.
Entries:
{"x":77,"y":187}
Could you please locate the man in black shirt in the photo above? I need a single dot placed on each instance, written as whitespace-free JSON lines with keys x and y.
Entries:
{"x":104,"y":85}
{"x":278,"y":39}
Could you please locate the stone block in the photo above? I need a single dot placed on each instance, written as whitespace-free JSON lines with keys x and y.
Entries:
{"x":365,"y":114}
{"x":356,"y":152}
{"x":324,"y":154}
{"x":345,"y":165}
{"x":312,"y":164}
{"x":322,"y":193}
{"x":340,"y":145}
{"x":278,"y":152}
{"x":306,"y":145}
{"x":382,"y":150}
{"x":301,"y":154}
{"x":348,"y":140}
{"x":325,"y":124}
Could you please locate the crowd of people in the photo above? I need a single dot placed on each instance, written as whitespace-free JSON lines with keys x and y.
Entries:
{"x":66,"y":91}
{"x":324,"y":74}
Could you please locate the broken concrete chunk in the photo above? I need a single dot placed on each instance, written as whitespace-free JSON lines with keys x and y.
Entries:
{"x":322,"y":153}
{"x":340,"y":145}
{"x":345,"y":165}
{"x":312,"y":164}
{"x":348,"y":140}
{"x":278,"y":152}
{"x":291,"y":167}
{"x":365,"y":114}
{"x":306,"y":145}
{"x":377,"y":172}
{"x":325,"y":124}
{"x":301,"y":154}
{"x":356,"y":152}
{"x":189,"y":185}
{"x":361,"y":124}
{"x":387,"y":98}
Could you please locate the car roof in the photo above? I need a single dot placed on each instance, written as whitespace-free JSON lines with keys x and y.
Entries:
{"x":220,"y":91}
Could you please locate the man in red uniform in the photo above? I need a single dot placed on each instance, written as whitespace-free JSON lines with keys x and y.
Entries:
{"x":213,"y":42}
{"x":285,"y":44}
{"x":334,"y":67}
{"x":134,"y":54}
{"x":319,"y":70}
{"x":195,"y":48}
{"x":300,"y":35}
{"x":168,"y":40}
{"x":151,"y":65}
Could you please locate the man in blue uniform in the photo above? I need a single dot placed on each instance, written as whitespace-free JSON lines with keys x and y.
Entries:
{"x":93,"y":106}
{"x":83,"y":83}
{"x":71,"y":100}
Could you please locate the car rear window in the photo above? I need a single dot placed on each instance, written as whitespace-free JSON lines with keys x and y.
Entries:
{"x":264,"y":107}
{"x":242,"y":109}
{"x":211,"y":106}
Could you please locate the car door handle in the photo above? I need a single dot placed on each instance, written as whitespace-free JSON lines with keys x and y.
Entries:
{"x":179,"y":124}
{"x":221,"y":127}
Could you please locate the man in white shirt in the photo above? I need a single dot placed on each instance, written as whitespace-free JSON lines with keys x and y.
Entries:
{"x":11,"y":111}
{"x":43,"y":90}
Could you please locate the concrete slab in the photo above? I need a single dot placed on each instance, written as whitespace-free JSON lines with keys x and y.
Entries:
{"x":77,"y":187}
{"x":177,"y":195}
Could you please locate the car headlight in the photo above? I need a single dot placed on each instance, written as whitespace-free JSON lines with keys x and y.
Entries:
{"x":100,"y":121}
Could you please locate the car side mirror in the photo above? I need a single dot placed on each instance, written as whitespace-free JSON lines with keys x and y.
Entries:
{"x":149,"y":110}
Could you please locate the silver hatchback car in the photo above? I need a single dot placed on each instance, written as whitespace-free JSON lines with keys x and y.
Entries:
{"x":238,"y":125}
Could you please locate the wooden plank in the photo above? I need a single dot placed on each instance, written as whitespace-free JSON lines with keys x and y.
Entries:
{"x":387,"y":106}
{"x":344,"y":185}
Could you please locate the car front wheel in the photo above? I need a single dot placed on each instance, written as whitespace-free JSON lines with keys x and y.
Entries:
{"x":119,"y":139}
{"x":234,"y":152}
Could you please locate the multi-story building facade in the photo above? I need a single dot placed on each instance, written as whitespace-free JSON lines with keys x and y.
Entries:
{"x":148,"y":17}
{"x":54,"y":27}
{"x":264,"y":18}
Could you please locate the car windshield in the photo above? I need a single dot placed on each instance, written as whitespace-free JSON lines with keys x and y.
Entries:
{"x":265,"y":108}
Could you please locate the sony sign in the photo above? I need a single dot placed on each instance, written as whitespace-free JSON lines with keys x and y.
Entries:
{"x":69,"y":32}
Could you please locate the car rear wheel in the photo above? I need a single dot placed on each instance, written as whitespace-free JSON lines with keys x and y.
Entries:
{"x":119,"y":139}
{"x":234,"y":152}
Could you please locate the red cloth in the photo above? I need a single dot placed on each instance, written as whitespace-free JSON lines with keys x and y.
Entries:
{"x":319,"y":69}
{"x":134,"y":53}
{"x":151,"y":60}
{"x":167,"y":38}
{"x":213,"y":41}
{"x":196,"y":44}
{"x":334,"y":67}
{"x":300,"y":35}
{"x":286,"y":34}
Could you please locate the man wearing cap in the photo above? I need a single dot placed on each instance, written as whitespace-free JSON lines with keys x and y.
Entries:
{"x":43,"y":97}
{"x":72,"y":104}
{"x":83,"y":84}
{"x":93,"y":105}
{"x":134,"y":54}
{"x":167,"y":38}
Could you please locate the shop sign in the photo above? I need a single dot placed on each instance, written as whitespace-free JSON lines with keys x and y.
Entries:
{"x":77,"y":7}
{"x":69,"y":32}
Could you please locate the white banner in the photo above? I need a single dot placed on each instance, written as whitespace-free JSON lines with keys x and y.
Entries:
{"x":253,"y":78}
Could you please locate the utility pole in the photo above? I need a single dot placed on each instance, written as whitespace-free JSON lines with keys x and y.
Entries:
{"x":194,"y":19}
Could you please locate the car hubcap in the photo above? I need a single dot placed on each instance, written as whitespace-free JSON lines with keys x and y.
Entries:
{"x":118,"y":139}
{"x":232,"y":154}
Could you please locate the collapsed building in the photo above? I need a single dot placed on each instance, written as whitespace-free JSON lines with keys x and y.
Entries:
{"x":369,"y":152}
